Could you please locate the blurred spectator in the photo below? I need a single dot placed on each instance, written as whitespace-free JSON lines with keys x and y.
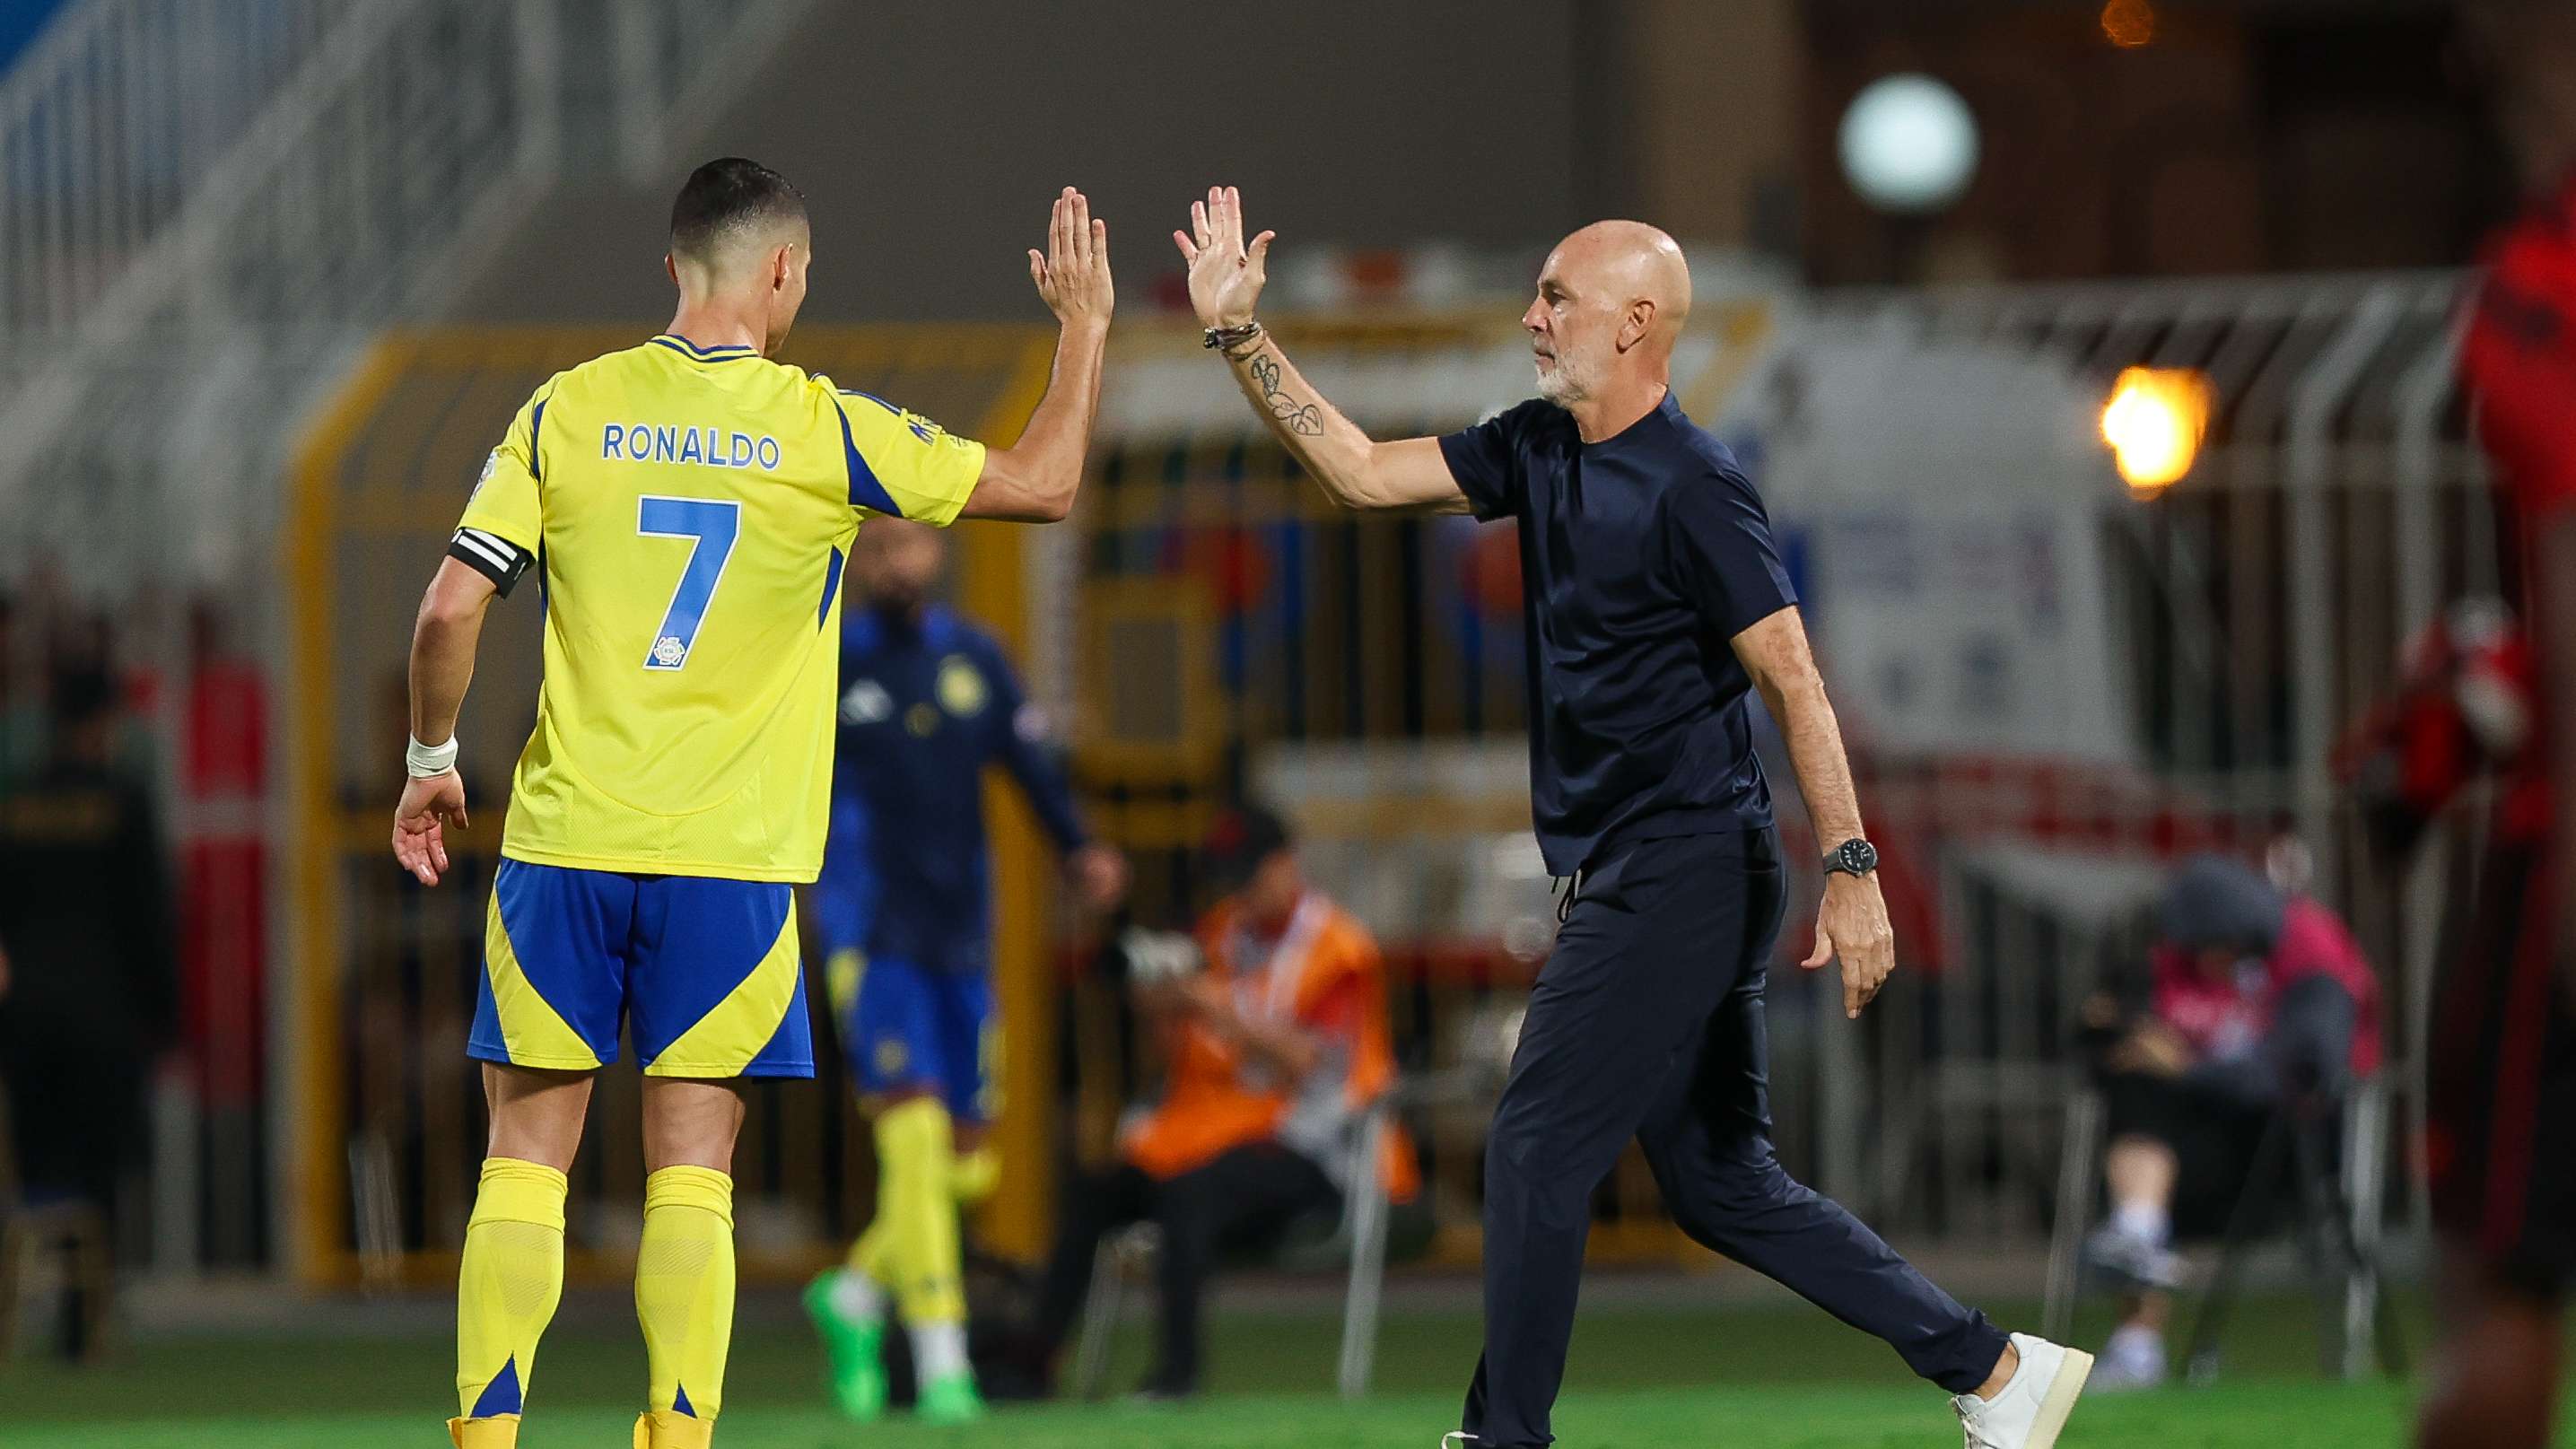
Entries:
{"x":22,"y":713}
{"x":223,"y":868}
{"x":2260,"y":998}
{"x":1276,"y":1035}
{"x":80,"y":643}
{"x":85,"y":910}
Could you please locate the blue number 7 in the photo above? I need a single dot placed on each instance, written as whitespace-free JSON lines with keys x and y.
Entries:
{"x":714,"y":524}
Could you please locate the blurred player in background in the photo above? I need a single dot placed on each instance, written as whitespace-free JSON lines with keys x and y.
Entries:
{"x":2501,"y":1144}
{"x":1656,"y":606}
{"x":1276,"y":1044}
{"x":86,"y":913}
{"x":687,"y":505}
{"x":927,"y":701}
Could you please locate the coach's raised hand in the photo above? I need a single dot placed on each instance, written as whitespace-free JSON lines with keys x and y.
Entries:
{"x":1225,"y":275}
{"x":1225,"y":285}
{"x":1073,"y":272}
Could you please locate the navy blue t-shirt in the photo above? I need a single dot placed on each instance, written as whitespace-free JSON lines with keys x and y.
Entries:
{"x":1642,"y":555}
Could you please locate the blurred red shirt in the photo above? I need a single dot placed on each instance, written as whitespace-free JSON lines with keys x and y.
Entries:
{"x":2519,"y":361}
{"x":2225,"y":1016}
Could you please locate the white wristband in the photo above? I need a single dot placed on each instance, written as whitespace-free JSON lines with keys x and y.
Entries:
{"x":427,"y":760}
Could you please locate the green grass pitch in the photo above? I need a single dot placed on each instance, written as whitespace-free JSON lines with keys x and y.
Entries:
{"x":1767,"y":1377}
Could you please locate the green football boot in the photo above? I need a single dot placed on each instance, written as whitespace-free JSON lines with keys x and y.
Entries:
{"x":950,"y":1399}
{"x":856,"y":1350}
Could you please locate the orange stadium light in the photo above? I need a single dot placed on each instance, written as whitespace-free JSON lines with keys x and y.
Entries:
{"x":2129,"y":24}
{"x":2154,"y":423}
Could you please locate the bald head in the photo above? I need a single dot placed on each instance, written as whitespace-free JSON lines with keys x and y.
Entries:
{"x":1611,"y":301}
{"x":1632,"y":262}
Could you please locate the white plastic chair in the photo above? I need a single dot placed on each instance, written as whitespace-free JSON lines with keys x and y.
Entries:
{"x":1360,"y":1235}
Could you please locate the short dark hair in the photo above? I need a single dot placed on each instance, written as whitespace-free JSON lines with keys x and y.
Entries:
{"x":727,"y":195}
{"x":1240,"y":840}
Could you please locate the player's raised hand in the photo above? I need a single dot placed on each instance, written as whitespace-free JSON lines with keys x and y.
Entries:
{"x":1073,"y":272}
{"x":1225,"y":275}
{"x":1851,"y":923}
{"x":420,"y":823}
{"x":1099,"y":875}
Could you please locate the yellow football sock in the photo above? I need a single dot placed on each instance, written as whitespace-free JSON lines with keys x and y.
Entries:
{"x":916,"y":1251}
{"x":667,"y":1429}
{"x":684,"y":1297}
{"x":972,"y":1176}
{"x":843,"y":970}
{"x":506,"y":1290}
{"x":868,"y":1254}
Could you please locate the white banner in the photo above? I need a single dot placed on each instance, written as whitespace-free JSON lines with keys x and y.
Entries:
{"x":1947,"y":508}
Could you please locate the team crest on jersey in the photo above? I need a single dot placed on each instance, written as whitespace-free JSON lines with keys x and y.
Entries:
{"x":491,"y":465}
{"x":961,"y":687}
{"x":668,"y":651}
{"x":866,"y":702}
{"x":922,"y":428}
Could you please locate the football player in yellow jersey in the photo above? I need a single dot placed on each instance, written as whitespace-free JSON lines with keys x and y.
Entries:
{"x":687,"y":505}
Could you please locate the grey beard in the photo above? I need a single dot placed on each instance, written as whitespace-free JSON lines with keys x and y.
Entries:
{"x":1563,"y":386}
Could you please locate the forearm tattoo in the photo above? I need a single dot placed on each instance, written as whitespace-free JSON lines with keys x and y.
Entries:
{"x":1304,"y":419}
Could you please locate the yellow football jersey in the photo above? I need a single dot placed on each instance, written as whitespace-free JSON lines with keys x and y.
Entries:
{"x":688,"y":511}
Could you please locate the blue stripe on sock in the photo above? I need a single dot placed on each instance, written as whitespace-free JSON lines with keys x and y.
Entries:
{"x":680,"y":1402}
{"x":501,"y":1396}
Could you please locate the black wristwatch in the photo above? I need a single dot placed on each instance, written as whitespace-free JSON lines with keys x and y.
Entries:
{"x":1853,"y":857}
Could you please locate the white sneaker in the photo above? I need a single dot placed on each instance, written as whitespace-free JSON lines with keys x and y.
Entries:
{"x":2133,"y":1359}
{"x":2137,"y":1261}
{"x":2033,"y":1407}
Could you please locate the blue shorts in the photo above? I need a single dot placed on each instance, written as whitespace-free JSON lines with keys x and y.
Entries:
{"x":705,"y":969}
{"x":921,"y":1029}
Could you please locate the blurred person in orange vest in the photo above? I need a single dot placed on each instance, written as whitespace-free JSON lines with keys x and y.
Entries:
{"x":1277,"y":1046}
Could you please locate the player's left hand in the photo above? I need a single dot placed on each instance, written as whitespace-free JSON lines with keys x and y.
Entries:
{"x":420,"y":824}
{"x":1073,"y":272}
{"x":1099,"y":875}
{"x":1851,"y":922}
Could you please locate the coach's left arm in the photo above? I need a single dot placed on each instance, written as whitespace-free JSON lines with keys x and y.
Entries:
{"x":1852,"y":920}
{"x":443,"y":641}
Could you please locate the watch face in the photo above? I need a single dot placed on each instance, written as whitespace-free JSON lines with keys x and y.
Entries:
{"x":1857,"y":856}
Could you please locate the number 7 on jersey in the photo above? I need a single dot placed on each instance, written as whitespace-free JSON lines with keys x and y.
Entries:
{"x":714,"y":523}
